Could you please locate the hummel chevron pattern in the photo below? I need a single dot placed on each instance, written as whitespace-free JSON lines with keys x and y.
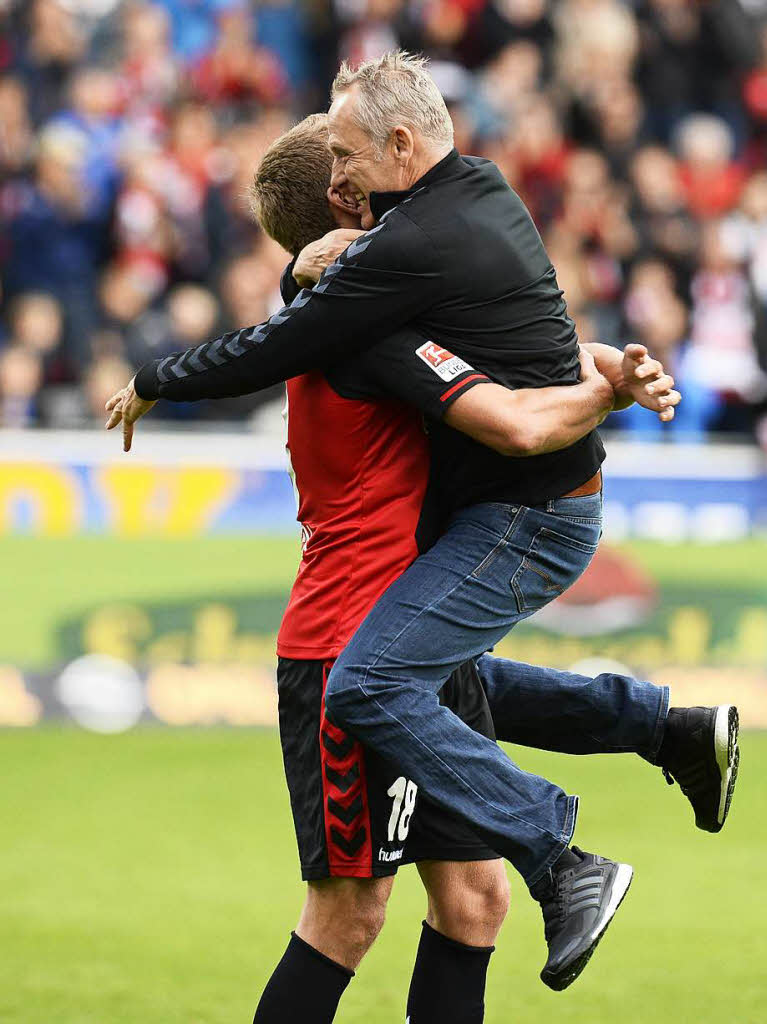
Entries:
{"x":338,"y":750}
{"x":349,"y":846}
{"x":346,"y":814}
{"x":347,"y":825}
{"x":344,"y":781}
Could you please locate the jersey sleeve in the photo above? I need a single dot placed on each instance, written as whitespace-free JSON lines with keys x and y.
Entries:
{"x":383,"y":280}
{"x":419,"y":371}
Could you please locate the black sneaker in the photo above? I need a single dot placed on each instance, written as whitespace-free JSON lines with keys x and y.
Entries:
{"x":578,"y":903}
{"x":700,"y":752}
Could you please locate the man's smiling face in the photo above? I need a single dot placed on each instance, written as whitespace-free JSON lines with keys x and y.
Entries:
{"x":356,"y":158}
{"x":345,"y":208}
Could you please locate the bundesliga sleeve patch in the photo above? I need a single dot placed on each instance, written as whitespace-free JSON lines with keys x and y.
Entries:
{"x":443,"y":363}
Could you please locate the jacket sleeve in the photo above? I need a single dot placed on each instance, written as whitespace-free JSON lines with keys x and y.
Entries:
{"x":419,"y":371}
{"x":288,"y":287}
{"x":384,"y":279}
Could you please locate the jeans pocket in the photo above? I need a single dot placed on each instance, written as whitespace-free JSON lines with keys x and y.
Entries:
{"x":510,"y":518}
{"x":489,"y":558}
{"x":553,"y":562}
{"x":585,"y":544}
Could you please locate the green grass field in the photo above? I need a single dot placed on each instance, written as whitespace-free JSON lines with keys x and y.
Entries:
{"x":152,"y":877}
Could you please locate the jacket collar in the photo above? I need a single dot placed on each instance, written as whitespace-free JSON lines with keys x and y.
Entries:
{"x":382,"y":202}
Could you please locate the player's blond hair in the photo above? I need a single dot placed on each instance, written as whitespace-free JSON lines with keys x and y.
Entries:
{"x":288,"y":194}
{"x":392,"y":90}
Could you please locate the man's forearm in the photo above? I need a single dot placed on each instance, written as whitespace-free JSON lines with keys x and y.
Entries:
{"x":531,"y":421}
{"x":556,"y":417}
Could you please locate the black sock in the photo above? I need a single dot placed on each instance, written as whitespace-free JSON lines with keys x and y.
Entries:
{"x":448,"y":983}
{"x":305,"y":988}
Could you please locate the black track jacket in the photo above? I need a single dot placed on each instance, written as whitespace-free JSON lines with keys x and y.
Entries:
{"x":458,"y":260}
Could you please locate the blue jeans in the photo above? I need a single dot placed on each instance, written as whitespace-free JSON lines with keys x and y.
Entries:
{"x":550,"y":709}
{"x":495,"y":565}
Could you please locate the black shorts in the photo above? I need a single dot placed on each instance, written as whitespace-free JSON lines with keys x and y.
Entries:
{"x":355,"y":814}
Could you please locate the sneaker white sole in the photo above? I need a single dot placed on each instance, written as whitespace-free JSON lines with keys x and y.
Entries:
{"x":727,"y":755}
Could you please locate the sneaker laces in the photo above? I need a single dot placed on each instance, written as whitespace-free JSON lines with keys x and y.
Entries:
{"x":553,"y":908}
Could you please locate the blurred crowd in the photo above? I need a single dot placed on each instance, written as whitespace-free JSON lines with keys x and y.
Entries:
{"x":635,"y":132}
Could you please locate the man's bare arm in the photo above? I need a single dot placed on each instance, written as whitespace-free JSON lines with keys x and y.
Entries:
{"x":533,"y":421}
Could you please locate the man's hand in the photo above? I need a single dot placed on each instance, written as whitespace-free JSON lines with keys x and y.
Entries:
{"x":647,"y":383}
{"x":316,"y":256}
{"x":128,"y":407}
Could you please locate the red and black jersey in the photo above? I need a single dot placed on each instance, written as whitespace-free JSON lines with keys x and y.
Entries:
{"x":361,"y":472}
{"x":361,"y":469}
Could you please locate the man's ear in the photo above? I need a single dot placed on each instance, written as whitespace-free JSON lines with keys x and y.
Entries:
{"x":344,"y":209}
{"x":403,"y":143}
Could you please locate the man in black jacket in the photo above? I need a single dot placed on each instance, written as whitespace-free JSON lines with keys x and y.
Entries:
{"x":454,"y":254}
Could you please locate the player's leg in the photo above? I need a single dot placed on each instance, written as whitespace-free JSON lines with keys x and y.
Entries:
{"x":467,"y":904}
{"x":467,"y":901}
{"x":340,"y":811}
{"x":340,"y":921}
{"x":467,"y":889}
{"x":495,"y":565}
{"x":342,"y":917}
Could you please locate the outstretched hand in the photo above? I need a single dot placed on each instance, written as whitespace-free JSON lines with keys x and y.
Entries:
{"x":647,"y":383}
{"x":126,"y":406}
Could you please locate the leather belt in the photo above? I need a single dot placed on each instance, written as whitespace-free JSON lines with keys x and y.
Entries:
{"x":592,"y":486}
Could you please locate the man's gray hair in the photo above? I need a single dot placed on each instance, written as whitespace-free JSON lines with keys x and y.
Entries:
{"x":396,"y":89}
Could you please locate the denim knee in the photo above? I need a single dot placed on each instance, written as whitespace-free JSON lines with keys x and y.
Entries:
{"x":340,"y":693}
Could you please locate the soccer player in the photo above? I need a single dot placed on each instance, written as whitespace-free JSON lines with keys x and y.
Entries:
{"x":455,"y":253}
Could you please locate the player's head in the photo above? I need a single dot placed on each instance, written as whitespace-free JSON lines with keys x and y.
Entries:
{"x":291,"y":194}
{"x":388,"y":125}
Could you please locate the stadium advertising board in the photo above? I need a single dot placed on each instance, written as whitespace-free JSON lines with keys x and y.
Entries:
{"x":203,"y":662}
{"x":65,"y":483}
{"x":676,"y":593}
